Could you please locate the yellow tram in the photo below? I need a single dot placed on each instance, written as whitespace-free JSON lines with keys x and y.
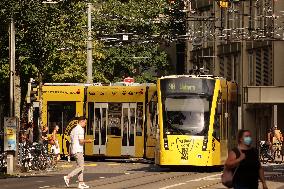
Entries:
{"x":197,"y":120}
{"x":120,"y":118}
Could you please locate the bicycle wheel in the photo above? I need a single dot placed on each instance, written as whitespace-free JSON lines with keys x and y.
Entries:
{"x":264,"y":158}
{"x":277,"y":156}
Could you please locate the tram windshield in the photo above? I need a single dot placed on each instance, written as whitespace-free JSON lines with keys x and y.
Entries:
{"x":186,"y":115}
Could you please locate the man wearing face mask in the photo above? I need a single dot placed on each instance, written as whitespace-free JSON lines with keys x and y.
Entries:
{"x":245,"y":161}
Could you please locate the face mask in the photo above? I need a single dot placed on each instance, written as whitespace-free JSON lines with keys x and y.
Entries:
{"x":247,"y":141}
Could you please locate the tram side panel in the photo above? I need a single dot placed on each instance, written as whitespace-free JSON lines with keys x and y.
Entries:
{"x":60,"y":105}
{"x":123,"y":121}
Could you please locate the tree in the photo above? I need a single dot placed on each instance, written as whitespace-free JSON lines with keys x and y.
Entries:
{"x":133,"y":31}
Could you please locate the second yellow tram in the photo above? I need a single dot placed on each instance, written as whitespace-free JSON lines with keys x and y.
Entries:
{"x":121,"y":118}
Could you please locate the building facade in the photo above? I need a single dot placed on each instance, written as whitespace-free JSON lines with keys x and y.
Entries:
{"x":242,"y":40}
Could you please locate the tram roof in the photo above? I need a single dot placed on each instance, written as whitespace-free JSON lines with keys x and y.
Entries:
{"x":99,"y":84}
{"x":193,"y":76}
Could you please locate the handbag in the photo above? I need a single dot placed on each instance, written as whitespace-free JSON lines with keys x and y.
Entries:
{"x":228,"y":175}
{"x":51,"y":140}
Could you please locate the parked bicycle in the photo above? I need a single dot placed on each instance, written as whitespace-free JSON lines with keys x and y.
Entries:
{"x":265,"y":153}
{"x":35,"y":157}
{"x":278,"y":153}
{"x":3,"y":162}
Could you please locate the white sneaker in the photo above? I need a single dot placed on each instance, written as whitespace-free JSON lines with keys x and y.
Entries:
{"x":66,"y":181}
{"x":83,"y":185}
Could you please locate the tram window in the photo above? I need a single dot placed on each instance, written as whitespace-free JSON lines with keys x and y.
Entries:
{"x":60,"y":113}
{"x":216,"y":131}
{"x":224,"y":125}
{"x":114,"y":119}
{"x":153,"y":117}
{"x":139,"y":128}
{"x":90,"y":118}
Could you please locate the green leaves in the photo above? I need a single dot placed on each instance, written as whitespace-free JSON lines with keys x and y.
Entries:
{"x":51,"y":40}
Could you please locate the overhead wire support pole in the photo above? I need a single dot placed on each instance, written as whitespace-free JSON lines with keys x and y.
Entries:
{"x":89,"y":46}
{"x":12,"y":66}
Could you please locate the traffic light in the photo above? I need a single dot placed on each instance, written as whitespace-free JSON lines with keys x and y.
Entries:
{"x":32,"y":91}
{"x":224,"y":3}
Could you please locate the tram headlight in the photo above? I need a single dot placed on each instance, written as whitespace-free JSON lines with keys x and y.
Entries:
{"x":205,"y":142}
{"x":166,"y":144}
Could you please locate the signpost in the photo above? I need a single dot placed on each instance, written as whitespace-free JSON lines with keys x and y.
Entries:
{"x":128,"y":80}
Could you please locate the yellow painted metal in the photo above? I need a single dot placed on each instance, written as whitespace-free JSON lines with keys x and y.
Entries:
{"x":139,"y":146}
{"x":62,"y":94}
{"x":113,"y":147}
{"x":102,"y":94}
{"x":89,"y":146}
{"x":186,"y":149}
{"x":116,"y":93}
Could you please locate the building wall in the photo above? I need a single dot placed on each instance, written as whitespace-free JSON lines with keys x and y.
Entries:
{"x":249,"y":62}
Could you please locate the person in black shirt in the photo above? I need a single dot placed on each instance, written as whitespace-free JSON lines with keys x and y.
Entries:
{"x":245,"y":161}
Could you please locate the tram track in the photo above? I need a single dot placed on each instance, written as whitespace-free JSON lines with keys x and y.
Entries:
{"x":140,"y":181}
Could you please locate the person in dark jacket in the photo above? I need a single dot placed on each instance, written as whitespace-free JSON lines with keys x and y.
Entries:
{"x":245,"y":161}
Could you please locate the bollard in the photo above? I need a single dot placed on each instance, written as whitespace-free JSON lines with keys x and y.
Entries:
{"x":10,"y":163}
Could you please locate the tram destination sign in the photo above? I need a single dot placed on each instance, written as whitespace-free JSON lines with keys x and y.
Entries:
{"x":185,"y":85}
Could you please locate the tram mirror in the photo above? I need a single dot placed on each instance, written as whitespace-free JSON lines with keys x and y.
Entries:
{"x":219,"y":108}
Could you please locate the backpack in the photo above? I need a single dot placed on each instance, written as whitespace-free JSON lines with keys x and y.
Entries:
{"x":228,"y":174}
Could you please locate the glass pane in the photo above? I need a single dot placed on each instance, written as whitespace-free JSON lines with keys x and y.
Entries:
{"x":69,"y":113}
{"x":54,"y":116}
{"x":139,"y":128}
{"x":114,"y":119}
{"x":90,"y":119}
{"x":125,"y":127}
{"x":60,"y":113}
{"x":97,"y":125}
{"x":103,"y":126}
{"x":132,"y":126}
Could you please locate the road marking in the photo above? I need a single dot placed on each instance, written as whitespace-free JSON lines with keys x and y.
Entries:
{"x":44,"y":187}
{"x":102,"y":177}
{"x":210,"y":177}
{"x":66,"y":166}
{"x":114,"y":164}
{"x":91,"y":165}
{"x":174,"y":185}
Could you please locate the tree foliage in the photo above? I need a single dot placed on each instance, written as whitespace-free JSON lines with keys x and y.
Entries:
{"x":51,"y":40}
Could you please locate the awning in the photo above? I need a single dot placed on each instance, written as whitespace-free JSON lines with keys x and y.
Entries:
{"x":264,"y":94}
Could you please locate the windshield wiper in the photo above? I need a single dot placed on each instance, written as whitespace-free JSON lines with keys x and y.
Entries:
{"x":174,"y":128}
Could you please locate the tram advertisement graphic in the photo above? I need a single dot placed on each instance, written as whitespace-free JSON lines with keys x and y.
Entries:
{"x":184,"y":146}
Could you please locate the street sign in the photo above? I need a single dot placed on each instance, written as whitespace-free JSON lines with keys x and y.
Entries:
{"x":129,"y":80}
{"x":10,"y":131}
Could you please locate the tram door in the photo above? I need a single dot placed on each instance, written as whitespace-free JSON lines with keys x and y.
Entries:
{"x":128,"y":128}
{"x":100,"y":128}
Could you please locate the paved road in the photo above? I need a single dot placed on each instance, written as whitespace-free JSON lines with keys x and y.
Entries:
{"x":120,"y":175}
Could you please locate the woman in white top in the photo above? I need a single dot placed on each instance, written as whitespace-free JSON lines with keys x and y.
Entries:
{"x":55,"y":149}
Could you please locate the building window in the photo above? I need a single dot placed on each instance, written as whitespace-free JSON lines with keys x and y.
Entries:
{"x":250,"y":69}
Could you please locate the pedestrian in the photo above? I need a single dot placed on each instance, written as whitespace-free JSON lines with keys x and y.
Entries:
{"x":30,"y":133}
{"x":244,"y":160}
{"x":44,"y":138}
{"x":77,"y":149}
{"x":55,"y":149}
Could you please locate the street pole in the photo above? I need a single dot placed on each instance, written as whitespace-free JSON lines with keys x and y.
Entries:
{"x":89,"y":46}
{"x":12,"y":66}
{"x":12,"y":49}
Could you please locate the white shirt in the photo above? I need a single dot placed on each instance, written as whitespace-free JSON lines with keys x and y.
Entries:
{"x":76,"y":134}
